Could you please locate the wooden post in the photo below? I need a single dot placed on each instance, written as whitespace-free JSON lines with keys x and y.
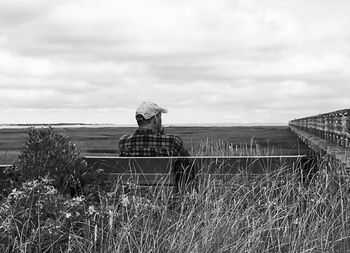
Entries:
{"x":322,"y":125}
{"x":346,"y":128}
{"x":311,"y":125}
{"x":338,"y":128}
{"x":326,"y":126}
{"x":332,"y":128}
{"x":343,"y":129}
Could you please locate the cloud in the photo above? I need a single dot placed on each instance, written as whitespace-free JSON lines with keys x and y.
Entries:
{"x":231,"y":58}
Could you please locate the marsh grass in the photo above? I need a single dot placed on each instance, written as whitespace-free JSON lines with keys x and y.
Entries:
{"x":221,"y":147}
{"x":275,"y":212}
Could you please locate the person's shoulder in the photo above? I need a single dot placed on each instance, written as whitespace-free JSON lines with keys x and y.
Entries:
{"x":125,"y":137}
{"x":174,"y":137}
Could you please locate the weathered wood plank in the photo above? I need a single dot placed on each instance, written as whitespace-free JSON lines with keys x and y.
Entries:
{"x":212,"y":164}
{"x":164,"y":170}
{"x":333,"y":126}
{"x":148,"y":170}
{"x":319,"y":144}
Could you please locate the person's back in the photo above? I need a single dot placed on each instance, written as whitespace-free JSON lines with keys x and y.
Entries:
{"x":146,"y":143}
{"x":149,"y":139}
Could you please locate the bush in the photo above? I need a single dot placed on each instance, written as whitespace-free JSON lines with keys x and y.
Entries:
{"x":38,"y":218}
{"x":46,"y":153}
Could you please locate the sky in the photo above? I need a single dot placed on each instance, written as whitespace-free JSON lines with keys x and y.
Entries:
{"x":207,"y":61}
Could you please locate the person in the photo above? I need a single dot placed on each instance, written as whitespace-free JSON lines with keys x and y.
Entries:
{"x":149,"y":139}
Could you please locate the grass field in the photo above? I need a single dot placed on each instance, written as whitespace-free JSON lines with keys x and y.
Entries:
{"x":277,"y":140}
{"x":275,"y":212}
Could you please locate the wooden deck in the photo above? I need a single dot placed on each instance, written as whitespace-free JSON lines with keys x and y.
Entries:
{"x":327,"y":133}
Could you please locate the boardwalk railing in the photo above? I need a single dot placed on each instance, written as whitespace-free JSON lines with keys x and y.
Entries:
{"x":333,"y":126}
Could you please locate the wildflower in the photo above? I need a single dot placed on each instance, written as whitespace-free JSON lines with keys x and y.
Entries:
{"x":68,"y":215}
{"x":77,"y":214}
{"x":46,"y":180}
{"x":296,"y":221}
{"x":50,"y":190}
{"x":75,"y":201}
{"x":125,"y":200}
{"x":78,"y":199}
{"x":30,"y":185}
{"x":15,"y":194}
{"x":91,"y":210}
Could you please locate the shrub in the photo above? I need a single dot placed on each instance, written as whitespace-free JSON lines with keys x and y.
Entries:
{"x":47,"y":153}
{"x":38,"y":218}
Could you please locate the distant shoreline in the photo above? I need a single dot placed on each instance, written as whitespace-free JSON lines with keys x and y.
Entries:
{"x":46,"y":124}
{"x":58,"y":125}
{"x":84,"y":125}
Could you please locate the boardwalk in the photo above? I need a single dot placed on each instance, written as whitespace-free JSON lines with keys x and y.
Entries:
{"x":327,"y":133}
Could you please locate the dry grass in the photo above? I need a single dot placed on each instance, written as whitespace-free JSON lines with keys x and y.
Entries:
{"x":275,"y":212}
{"x":221,"y":147}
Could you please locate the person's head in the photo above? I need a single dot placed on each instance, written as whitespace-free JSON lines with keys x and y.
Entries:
{"x":149,"y":115}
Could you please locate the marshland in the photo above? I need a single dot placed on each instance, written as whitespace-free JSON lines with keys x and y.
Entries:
{"x":276,"y":212}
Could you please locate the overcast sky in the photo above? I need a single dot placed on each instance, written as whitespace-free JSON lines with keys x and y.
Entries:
{"x":234,"y":61}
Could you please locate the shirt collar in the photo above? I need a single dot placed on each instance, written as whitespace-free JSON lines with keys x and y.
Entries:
{"x":144,"y":131}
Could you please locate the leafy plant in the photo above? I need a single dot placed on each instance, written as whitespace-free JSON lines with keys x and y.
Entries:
{"x":38,"y":218}
{"x":47,"y":153}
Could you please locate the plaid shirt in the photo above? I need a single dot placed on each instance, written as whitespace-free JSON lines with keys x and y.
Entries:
{"x":146,"y":143}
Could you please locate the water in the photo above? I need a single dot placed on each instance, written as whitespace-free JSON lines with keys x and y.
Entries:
{"x":62,"y":126}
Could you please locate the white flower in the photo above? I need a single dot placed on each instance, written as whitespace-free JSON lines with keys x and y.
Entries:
{"x":125,"y":200}
{"x":78,"y":199}
{"x":296,"y":221}
{"x":50,"y":190}
{"x":91,"y":210}
{"x":68,"y":215}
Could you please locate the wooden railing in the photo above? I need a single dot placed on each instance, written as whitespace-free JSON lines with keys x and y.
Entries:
{"x":332,"y":126}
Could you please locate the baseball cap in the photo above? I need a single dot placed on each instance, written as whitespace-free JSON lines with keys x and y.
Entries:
{"x":149,"y":109}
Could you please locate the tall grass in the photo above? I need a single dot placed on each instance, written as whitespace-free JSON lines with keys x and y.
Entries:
{"x":275,"y":212}
{"x":225,"y":148}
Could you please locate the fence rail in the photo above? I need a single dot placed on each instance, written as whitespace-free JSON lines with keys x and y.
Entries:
{"x":333,"y":126}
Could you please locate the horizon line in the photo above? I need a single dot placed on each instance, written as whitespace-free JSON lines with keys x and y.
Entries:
{"x":135,"y":125}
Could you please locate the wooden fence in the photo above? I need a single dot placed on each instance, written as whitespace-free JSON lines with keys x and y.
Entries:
{"x":333,"y":126}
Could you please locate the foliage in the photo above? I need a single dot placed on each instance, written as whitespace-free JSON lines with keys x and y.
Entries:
{"x":47,"y":153}
{"x":276,"y":212}
{"x":36,"y":217}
